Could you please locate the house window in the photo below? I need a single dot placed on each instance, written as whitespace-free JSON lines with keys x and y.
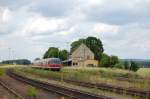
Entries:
{"x":75,"y":63}
{"x":90,"y":65}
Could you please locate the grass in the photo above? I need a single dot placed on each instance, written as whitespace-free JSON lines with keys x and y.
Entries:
{"x":96,"y":75}
{"x":2,"y":71}
{"x":9,"y":66}
{"x":144,"y":72}
{"x":105,"y":72}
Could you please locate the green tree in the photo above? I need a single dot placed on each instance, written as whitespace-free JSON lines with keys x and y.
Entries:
{"x":96,"y":46}
{"x":63,"y":54}
{"x":105,"y":60}
{"x":76,"y":44}
{"x":126,"y":65}
{"x":93,"y":43}
{"x":55,"y":52}
{"x":114,"y":60}
{"x":51,"y":52}
{"x":134,"y":66}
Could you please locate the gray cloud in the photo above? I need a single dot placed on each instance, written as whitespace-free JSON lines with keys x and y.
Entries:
{"x":14,"y":4}
{"x":53,"y":8}
{"x":120,"y":12}
{"x":123,"y":26}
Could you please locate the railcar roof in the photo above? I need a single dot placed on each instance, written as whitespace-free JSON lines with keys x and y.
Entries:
{"x":47,"y":59}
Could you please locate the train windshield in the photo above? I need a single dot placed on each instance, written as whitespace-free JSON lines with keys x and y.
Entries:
{"x":56,"y":61}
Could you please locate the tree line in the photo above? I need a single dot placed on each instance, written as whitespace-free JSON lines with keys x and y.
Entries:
{"x":17,"y":62}
{"x":57,"y":53}
{"x":115,"y":62}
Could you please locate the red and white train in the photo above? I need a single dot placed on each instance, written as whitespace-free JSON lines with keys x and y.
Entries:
{"x":49,"y":63}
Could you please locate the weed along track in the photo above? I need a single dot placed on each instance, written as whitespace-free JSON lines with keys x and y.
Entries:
{"x":116,"y":89}
{"x":67,"y":92}
{"x":11,"y":93}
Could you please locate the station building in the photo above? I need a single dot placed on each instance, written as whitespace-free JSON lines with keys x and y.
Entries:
{"x":82,"y":56}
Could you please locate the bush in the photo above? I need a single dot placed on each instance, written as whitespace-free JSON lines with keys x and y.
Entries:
{"x":114,"y":60}
{"x":119,"y":65}
{"x":134,"y":66}
{"x":108,"y":61}
{"x":32,"y":92}
{"x":105,"y":61}
{"x":126,"y":65}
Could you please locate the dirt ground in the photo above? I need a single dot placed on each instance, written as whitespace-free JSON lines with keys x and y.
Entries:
{"x":22,"y":88}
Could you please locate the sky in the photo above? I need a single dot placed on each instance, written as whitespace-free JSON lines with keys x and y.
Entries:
{"x":29,"y":27}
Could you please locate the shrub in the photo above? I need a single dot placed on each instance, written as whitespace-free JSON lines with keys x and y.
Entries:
{"x":119,"y":65}
{"x":108,"y":61}
{"x":134,"y":66}
{"x":114,"y":60}
{"x":105,"y":61}
{"x":126,"y":65}
{"x":32,"y":92}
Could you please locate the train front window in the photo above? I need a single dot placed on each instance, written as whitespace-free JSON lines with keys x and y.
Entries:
{"x":56,"y":61}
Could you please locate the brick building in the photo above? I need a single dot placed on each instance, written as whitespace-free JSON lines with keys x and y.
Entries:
{"x":83,"y":56}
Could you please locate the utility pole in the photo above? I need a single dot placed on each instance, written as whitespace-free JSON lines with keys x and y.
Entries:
{"x":67,"y":47}
{"x":68,"y":50}
{"x":58,"y":52}
{"x":9,"y":56}
{"x":12,"y":54}
{"x":84,"y":58}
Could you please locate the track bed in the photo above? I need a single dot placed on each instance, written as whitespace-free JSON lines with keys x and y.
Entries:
{"x":5,"y":94}
{"x":22,"y":88}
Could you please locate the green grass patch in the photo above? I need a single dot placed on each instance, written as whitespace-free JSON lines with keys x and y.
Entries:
{"x":144,"y":72}
{"x":32,"y":92}
{"x":2,"y":71}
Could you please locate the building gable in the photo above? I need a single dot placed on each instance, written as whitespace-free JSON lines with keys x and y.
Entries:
{"x":82,"y":53}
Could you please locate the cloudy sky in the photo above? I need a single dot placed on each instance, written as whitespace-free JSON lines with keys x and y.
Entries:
{"x":29,"y":27}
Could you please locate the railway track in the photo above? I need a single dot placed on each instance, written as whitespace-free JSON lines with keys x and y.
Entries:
{"x":17,"y":95}
{"x":68,"y":92}
{"x":116,"y":89}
